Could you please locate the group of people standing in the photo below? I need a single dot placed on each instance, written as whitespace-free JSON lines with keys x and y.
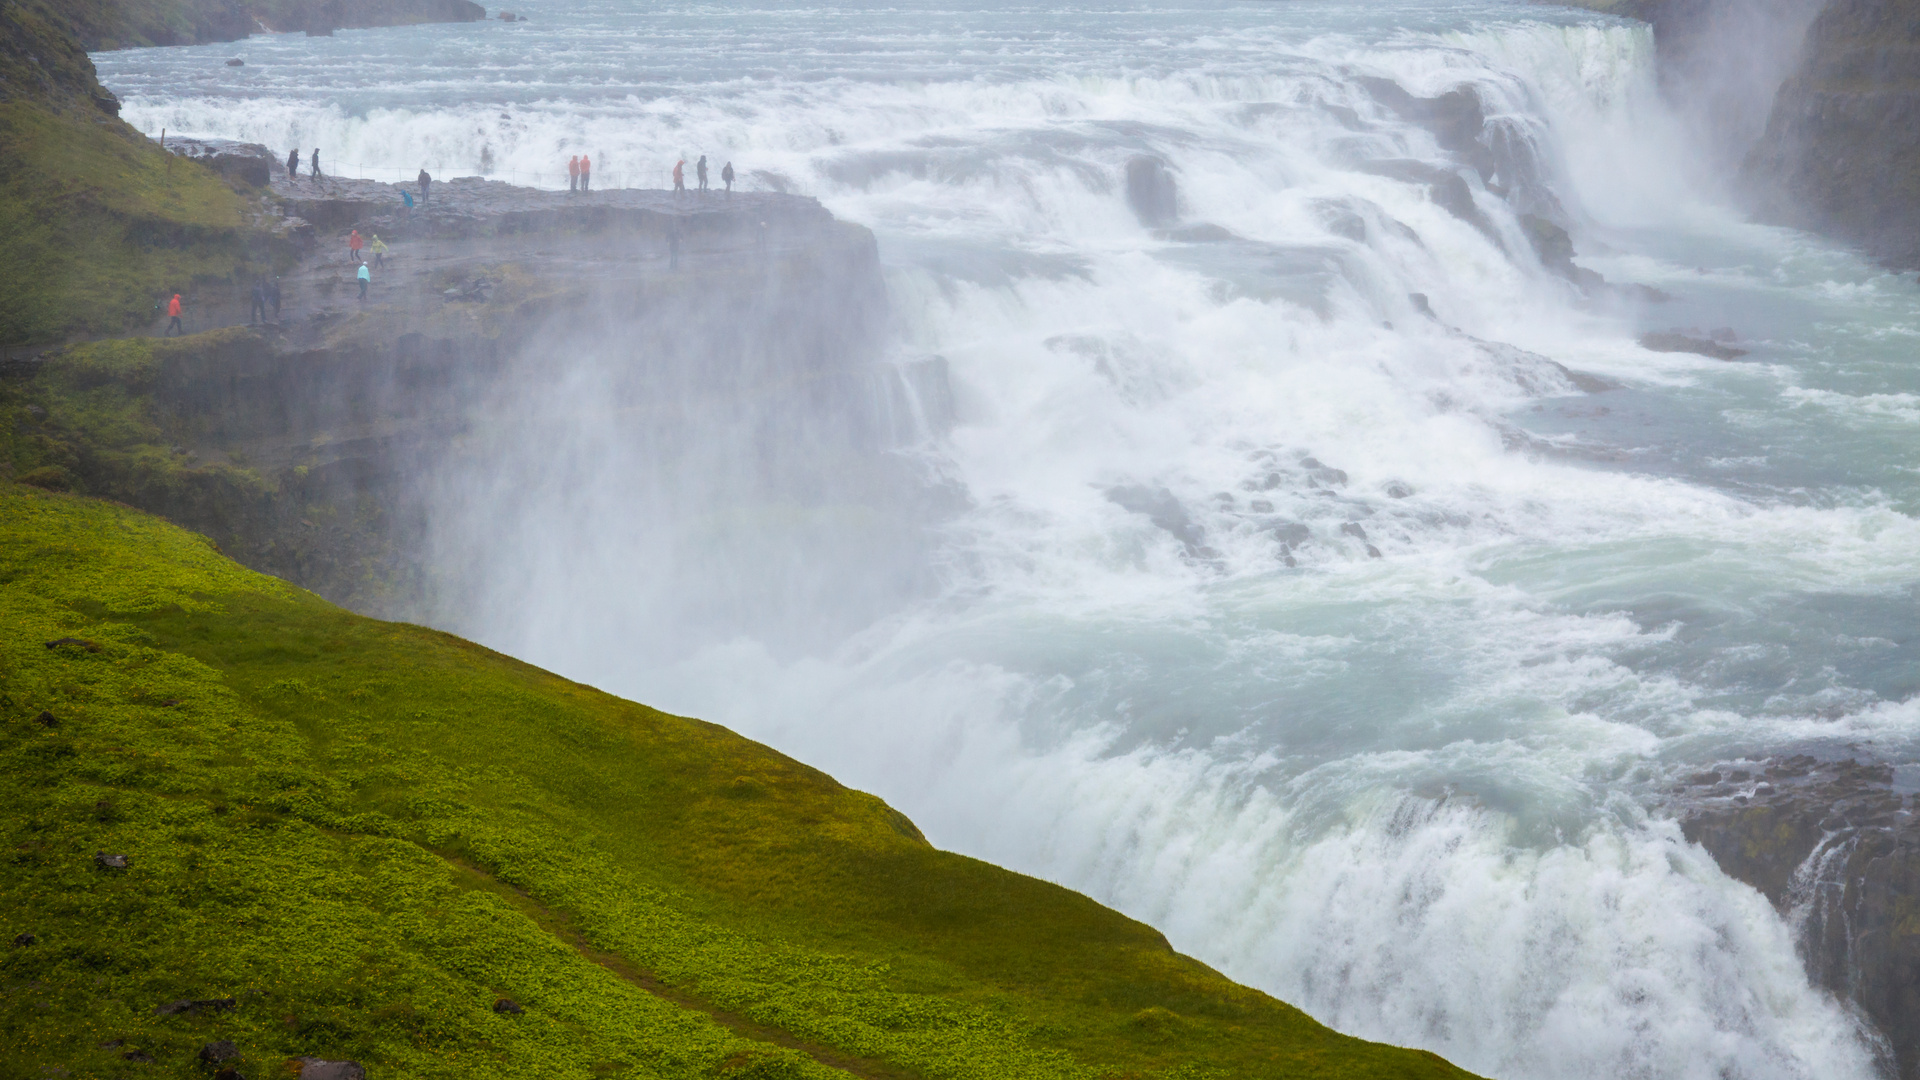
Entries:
{"x":580,"y":173}
{"x":700,"y":172}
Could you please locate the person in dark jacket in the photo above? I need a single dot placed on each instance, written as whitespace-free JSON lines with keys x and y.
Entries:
{"x":726,"y":176}
{"x":293,"y":164}
{"x":424,"y":181}
{"x":258,"y":312}
{"x":273,"y":297}
{"x":700,"y":170}
{"x":316,"y":165}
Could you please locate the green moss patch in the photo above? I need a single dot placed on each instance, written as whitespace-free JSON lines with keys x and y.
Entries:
{"x":366,"y":834}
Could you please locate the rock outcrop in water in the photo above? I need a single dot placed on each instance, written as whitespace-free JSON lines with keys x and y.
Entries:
{"x":1836,"y":846}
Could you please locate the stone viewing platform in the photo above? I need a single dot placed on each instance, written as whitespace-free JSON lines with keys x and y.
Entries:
{"x":471,"y":206}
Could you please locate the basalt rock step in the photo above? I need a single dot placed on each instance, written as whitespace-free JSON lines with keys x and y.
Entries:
{"x":1835,"y":845}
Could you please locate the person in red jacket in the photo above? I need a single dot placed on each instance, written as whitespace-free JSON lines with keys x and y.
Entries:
{"x":173,"y":317}
{"x":680,"y":176}
{"x":354,"y":244}
{"x":586,"y":172}
{"x":573,"y":173}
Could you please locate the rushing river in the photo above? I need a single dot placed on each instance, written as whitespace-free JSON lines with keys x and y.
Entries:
{"x":1417,"y":794}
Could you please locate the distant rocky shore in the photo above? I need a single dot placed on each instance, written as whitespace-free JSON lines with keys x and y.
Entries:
{"x":104,"y":25}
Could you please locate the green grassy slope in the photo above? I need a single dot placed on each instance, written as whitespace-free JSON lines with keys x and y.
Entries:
{"x":99,"y":225}
{"x":365,"y":833}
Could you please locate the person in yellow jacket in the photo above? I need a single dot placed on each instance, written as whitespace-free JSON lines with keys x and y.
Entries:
{"x":379,"y":249}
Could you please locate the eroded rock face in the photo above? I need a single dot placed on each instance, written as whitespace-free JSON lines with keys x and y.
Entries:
{"x":245,"y":162}
{"x":1841,"y":151}
{"x":1836,"y":846}
{"x":1151,"y":191}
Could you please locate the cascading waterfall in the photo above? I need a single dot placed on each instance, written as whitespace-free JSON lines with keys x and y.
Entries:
{"x":1298,"y":584}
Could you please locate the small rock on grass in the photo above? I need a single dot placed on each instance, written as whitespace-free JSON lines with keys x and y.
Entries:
{"x":508,"y":1007}
{"x":111,"y":862}
{"x":216,"y":1052}
{"x":21,"y":941}
{"x":188,"y":1007}
{"x":312,"y":1068}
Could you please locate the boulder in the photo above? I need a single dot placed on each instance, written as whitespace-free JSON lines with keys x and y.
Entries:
{"x":313,"y":1068}
{"x":21,"y":941}
{"x":191,"y":1007}
{"x":1151,"y":191}
{"x":1675,"y":341}
{"x":508,"y":1007}
{"x":216,"y":1052}
{"x":242,"y":162}
{"x":1835,"y":845}
{"x":111,"y":862}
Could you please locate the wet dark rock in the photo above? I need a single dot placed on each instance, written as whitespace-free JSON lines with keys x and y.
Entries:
{"x":21,"y":941}
{"x":236,"y":62}
{"x":1323,"y":473}
{"x":1151,"y":191}
{"x":47,"y":720}
{"x":190,"y":1007}
{"x":508,"y":1007}
{"x":1374,"y":552}
{"x":1673,"y":341}
{"x":1455,"y":118}
{"x":1165,"y":510}
{"x":1446,"y":187}
{"x":1398,"y":490}
{"x":229,"y":1073}
{"x":312,"y":1068}
{"x":1421,"y":305}
{"x":216,"y":1052}
{"x":140,"y":1057}
{"x":1355,"y":530}
{"x":1291,"y":534}
{"x":1836,"y":847}
{"x":111,"y":862}
{"x":1555,"y":248}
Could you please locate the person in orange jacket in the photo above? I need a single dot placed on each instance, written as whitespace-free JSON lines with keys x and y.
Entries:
{"x":173,"y":317}
{"x":586,"y":172}
{"x":354,"y":244}
{"x":573,"y":173}
{"x":680,"y":176}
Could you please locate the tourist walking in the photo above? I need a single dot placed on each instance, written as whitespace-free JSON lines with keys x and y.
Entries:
{"x":680,"y":176}
{"x":173,"y":317}
{"x":425,"y":180}
{"x":366,"y":278}
{"x":407,"y":198}
{"x":700,"y":169}
{"x":379,"y":248}
{"x":354,"y":244}
{"x":293,"y":164}
{"x":273,"y":297}
{"x":258,"y":312}
{"x":315,"y":170}
{"x":573,"y":173}
{"x":586,"y":173}
{"x":726,"y":176}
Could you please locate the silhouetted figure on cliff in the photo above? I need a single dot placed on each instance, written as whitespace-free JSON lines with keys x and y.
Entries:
{"x":700,"y":168}
{"x":273,"y":297}
{"x":425,"y":182}
{"x":315,"y":169}
{"x":293,"y":164}
{"x":258,"y":312}
{"x":573,"y":173}
{"x":680,"y":176}
{"x":586,"y":173}
{"x":726,"y":176}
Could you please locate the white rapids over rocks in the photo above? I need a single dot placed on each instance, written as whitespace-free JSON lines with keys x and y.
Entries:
{"x":1415,"y":793}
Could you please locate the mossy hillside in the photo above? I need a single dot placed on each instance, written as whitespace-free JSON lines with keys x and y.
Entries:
{"x":366,"y":833}
{"x":101,"y":224}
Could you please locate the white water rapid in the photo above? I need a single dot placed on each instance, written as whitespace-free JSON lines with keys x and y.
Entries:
{"x":1153,"y":655}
